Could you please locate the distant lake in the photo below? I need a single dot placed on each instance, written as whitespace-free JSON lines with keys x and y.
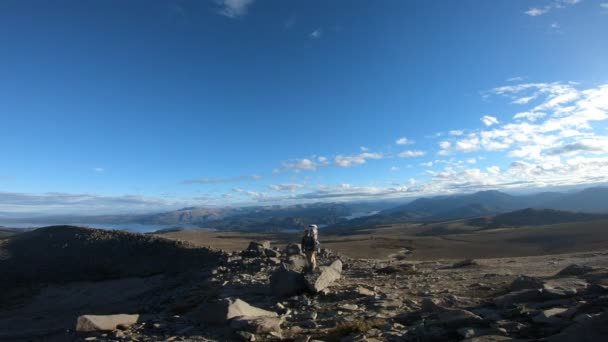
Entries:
{"x":361,"y":214}
{"x":131,"y":227}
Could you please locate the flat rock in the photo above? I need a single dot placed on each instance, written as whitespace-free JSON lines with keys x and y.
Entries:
{"x":323,"y":277}
{"x":104,"y":322}
{"x":226,"y":309}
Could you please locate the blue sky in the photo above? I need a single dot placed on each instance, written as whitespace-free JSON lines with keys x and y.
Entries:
{"x":114,"y":106}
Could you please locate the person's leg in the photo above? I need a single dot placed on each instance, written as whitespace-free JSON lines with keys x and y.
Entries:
{"x":313,"y":260}
{"x":309,"y":258}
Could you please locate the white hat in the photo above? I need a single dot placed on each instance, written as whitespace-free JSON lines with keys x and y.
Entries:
{"x":313,"y":226}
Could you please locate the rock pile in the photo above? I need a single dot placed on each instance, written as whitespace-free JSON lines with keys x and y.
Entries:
{"x":264,"y":294}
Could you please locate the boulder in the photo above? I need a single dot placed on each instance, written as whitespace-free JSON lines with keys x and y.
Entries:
{"x":285,"y":282}
{"x":477,"y":332}
{"x":365,"y":292}
{"x":271,"y":253}
{"x":570,"y":285}
{"x":591,"y":329}
{"x":223,"y":310}
{"x":522,"y":296}
{"x":550,"y":316}
{"x":86,"y":323}
{"x":293,"y":249}
{"x":455,"y":318}
{"x":433,"y":305}
{"x":298,"y":263}
{"x":256,"y":325}
{"x":322,"y":277}
{"x":574,"y":270}
{"x":524,"y":283}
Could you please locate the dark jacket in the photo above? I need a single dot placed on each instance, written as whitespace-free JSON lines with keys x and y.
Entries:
{"x":309,"y":243}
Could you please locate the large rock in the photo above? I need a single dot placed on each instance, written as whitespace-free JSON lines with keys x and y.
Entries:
{"x":271,"y":253}
{"x":455,"y":318}
{"x":86,"y":323}
{"x":516,"y":297}
{"x":525,"y":283}
{"x":293,"y":249}
{"x":298,"y":263}
{"x":574,"y":270}
{"x":257,"y":325}
{"x":570,"y":286}
{"x":550,"y":316}
{"x":285,"y":282}
{"x":225,"y":309}
{"x":592,"y":329}
{"x":323,"y":276}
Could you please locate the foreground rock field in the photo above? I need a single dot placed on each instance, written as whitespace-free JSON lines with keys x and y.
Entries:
{"x":263,"y":294}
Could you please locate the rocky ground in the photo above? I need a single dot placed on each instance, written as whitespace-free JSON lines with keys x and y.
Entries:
{"x":265,"y":294}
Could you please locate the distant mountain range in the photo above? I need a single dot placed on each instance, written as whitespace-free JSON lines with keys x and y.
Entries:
{"x":356,"y":214}
{"x":534,"y":217}
{"x":485,"y":203}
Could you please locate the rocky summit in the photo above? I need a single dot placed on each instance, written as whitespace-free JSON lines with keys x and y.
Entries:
{"x":266,"y":293}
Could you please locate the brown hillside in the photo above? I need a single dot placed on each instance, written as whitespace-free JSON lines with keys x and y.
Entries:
{"x":68,"y":253}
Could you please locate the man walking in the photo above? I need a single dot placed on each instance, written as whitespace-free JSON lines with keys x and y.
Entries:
{"x":310,"y":245}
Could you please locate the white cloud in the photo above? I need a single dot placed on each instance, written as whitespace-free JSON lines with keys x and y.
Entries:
{"x":403,"y":141}
{"x":316,"y":34}
{"x":489,"y":120}
{"x":348,"y":161}
{"x":63,"y":203}
{"x":556,"y":4}
{"x":221,"y":180}
{"x":394,"y":168}
{"x":305,"y":164}
{"x":494,"y":170}
{"x":456,"y":132}
{"x":411,"y":154}
{"x":604,"y":5}
{"x":516,"y":79}
{"x":99,"y":169}
{"x":286,"y":187}
{"x":535,"y":11}
{"x":530,"y":116}
{"x":234,"y":8}
{"x":525,"y":99}
{"x":363,"y":148}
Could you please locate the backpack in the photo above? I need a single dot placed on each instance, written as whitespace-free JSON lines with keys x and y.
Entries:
{"x":308,"y":243}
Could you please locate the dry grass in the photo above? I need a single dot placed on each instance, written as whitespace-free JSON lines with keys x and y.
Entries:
{"x":353,"y":327}
{"x":382,"y":243}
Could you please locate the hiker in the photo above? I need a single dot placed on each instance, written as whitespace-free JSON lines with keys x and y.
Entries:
{"x":315,"y":231}
{"x":310,"y":245}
